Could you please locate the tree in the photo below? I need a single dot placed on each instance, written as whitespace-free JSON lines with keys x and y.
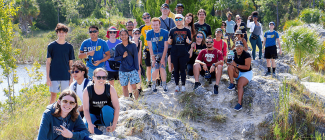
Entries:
{"x":48,"y":17}
{"x":86,"y":7}
{"x":7,"y":52}
{"x":28,"y":10}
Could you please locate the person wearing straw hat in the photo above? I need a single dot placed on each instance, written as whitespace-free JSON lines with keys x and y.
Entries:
{"x":112,"y":66}
{"x":239,"y":36}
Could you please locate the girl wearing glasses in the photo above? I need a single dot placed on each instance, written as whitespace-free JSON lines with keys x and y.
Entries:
{"x":101,"y":106}
{"x":196,"y":47}
{"x":179,"y":38}
{"x":240,"y":37}
{"x":61,"y":120}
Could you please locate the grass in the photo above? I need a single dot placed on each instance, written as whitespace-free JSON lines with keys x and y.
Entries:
{"x":190,"y":110}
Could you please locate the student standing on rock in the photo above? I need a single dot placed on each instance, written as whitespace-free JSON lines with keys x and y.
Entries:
{"x":271,"y":37}
{"x":240,"y":37}
{"x":196,"y":48}
{"x":93,"y":49}
{"x":127,"y":53}
{"x":240,"y":26}
{"x":158,"y":46}
{"x":240,"y":69}
{"x":256,"y":34}
{"x":230,"y":28}
{"x":61,"y":120}
{"x":60,"y":56}
{"x":146,"y":54}
{"x":79,"y":73}
{"x":112,"y":66}
{"x":201,"y":25}
{"x":101,"y":106}
{"x":209,"y":60}
{"x":179,"y":38}
{"x":219,"y":44}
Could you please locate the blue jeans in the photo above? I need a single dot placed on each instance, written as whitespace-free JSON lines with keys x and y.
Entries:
{"x":104,"y":119}
{"x":257,"y":42}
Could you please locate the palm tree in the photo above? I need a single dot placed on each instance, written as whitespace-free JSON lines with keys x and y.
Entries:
{"x":28,"y":10}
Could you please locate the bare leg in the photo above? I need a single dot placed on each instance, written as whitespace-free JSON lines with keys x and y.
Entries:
{"x":163,"y":74}
{"x":240,"y":87}
{"x":125,"y":91}
{"x":268,"y":64}
{"x":273,"y":63}
{"x":232,"y":73}
{"x":135,"y":91}
{"x":218,"y":74}
{"x":149,"y":73}
{"x":196,"y":71}
{"x":53,"y":97}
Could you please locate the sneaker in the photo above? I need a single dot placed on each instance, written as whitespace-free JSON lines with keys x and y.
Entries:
{"x":267,"y":73}
{"x":177,"y":89}
{"x":153,"y":87}
{"x":238,"y":107}
{"x":165,"y":88}
{"x":216,"y":89}
{"x":196,"y":85}
{"x":183,"y":89}
{"x":231,"y":86}
{"x":149,"y":84}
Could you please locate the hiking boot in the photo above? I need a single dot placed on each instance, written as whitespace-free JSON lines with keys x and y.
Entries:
{"x":238,"y":107}
{"x":183,"y":89}
{"x":149,"y":84}
{"x":267,"y":73}
{"x":216,"y":89}
{"x":177,"y":89}
{"x":196,"y":85}
{"x":153,"y":87}
{"x":165,"y":88}
{"x":231,"y":86}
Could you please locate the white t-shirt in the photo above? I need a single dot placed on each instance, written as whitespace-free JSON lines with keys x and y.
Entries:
{"x":79,"y":89}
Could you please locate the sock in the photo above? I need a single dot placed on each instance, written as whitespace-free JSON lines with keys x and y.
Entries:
{"x":273,"y":70}
{"x":164,"y":83}
{"x":153,"y":82}
{"x":268,"y":69}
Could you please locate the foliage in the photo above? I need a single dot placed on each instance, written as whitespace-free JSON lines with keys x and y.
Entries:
{"x":319,"y":62}
{"x":86,"y":7}
{"x":309,"y":15}
{"x":292,"y":23}
{"x":28,"y":10}
{"x":237,"y":7}
{"x":48,"y":17}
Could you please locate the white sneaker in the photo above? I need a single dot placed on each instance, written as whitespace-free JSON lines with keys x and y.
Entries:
{"x":177,"y":89}
{"x":183,"y":89}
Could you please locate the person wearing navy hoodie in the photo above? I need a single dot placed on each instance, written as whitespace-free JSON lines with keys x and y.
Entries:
{"x":127,"y":53}
{"x":62,"y":121}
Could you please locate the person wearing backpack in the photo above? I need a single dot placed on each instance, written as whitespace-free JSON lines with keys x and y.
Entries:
{"x":101,"y":105}
{"x":219,"y":44}
{"x":79,"y":73}
{"x":112,"y":66}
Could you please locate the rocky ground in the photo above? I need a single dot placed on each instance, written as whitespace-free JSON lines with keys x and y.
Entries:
{"x":200,"y":114}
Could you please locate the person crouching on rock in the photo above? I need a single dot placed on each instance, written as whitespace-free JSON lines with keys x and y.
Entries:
{"x":209,"y":60}
{"x":101,"y":106}
{"x":61,"y":120}
{"x":240,"y":69}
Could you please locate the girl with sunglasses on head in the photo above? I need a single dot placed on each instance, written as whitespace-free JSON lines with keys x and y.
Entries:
{"x":179,"y":38}
{"x":101,"y":106}
{"x":112,"y":66}
{"x":61,"y":120}
{"x":197,"y":45}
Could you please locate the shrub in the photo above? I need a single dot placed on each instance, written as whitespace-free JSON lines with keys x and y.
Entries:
{"x":292,"y":23}
{"x":309,"y":15}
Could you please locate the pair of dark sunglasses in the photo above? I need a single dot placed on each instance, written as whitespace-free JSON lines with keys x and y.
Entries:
{"x":146,"y":18}
{"x":64,"y":30}
{"x":209,"y":42}
{"x":199,"y":36}
{"x":112,"y":32}
{"x":70,"y":102}
{"x":95,"y":31}
{"x":178,"y":19}
{"x":76,"y":71}
{"x":101,"y":77}
{"x":137,"y":33}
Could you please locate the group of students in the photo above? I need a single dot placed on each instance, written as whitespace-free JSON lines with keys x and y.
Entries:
{"x":187,"y":47}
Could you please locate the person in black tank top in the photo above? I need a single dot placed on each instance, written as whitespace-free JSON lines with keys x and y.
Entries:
{"x":196,"y":47}
{"x":101,"y":106}
{"x":241,"y":69}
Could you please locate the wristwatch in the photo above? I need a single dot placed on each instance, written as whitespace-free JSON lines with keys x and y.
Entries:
{"x":237,"y":65}
{"x":214,"y":64}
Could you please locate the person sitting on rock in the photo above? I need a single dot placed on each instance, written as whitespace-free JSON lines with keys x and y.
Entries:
{"x":240,"y":68}
{"x":196,"y":48}
{"x":61,"y":120}
{"x":209,"y":60}
{"x":101,"y":106}
{"x":240,"y":37}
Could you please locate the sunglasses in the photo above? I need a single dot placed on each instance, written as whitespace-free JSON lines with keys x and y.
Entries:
{"x":209,"y":42}
{"x":146,"y":18}
{"x":101,"y":77}
{"x":113,"y":32}
{"x":178,"y":19}
{"x":70,"y":102}
{"x":164,"y":8}
{"x":95,"y":31}
{"x":137,"y":33}
{"x":199,"y":36}
{"x":76,"y":71}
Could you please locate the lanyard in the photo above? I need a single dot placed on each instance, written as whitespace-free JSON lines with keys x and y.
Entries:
{"x":157,"y":38}
{"x":91,"y":43}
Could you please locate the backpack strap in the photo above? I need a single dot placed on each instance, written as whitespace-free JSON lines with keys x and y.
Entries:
{"x":90,"y":91}
{"x":75,"y":87}
{"x":107,"y":89}
{"x":85,"y":84}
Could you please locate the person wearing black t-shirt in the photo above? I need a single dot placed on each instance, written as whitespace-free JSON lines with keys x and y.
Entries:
{"x":196,"y":47}
{"x":179,"y":38}
{"x":201,"y":25}
{"x":240,"y":69}
{"x":240,"y":26}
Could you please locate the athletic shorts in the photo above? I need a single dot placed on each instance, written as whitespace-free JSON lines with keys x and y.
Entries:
{"x":147,"y":60}
{"x":270,"y":52}
{"x":131,"y":76}
{"x":57,"y":85}
{"x":112,"y":75}
{"x":248,"y":75}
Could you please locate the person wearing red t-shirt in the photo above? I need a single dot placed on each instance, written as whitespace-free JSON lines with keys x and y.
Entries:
{"x":209,"y":60}
{"x":218,"y":43}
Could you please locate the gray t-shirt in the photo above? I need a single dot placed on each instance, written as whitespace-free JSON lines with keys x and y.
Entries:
{"x":257,"y":30}
{"x":167,"y":24}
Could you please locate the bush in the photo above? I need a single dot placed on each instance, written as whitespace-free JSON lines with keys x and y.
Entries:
{"x":312,"y":16}
{"x":292,"y":23}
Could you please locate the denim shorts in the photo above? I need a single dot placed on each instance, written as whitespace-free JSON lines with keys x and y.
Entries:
{"x":131,"y":76}
{"x":248,"y":75}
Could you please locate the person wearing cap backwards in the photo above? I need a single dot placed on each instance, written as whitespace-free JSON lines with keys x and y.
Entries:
{"x":240,"y":37}
{"x":158,"y":46}
{"x":179,"y":10}
{"x":257,"y":34}
{"x":201,"y":25}
{"x":112,"y":35}
{"x":241,"y":26}
{"x":219,"y":44}
{"x":230,"y":29}
{"x":146,"y":54}
{"x":209,"y":60}
{"x":179,"y":38}
{"x":240,"y":69}
{"x":95,"y":48}
{"x":271,"y":37}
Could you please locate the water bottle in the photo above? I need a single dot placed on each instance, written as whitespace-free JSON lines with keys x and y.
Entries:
{"x":230,"y":56}
{"x":86,"y":50}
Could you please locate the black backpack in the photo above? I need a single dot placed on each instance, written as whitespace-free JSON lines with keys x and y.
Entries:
{"x":90,"y":91}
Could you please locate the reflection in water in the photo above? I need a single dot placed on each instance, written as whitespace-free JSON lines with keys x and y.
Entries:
{"x":22,"y":78}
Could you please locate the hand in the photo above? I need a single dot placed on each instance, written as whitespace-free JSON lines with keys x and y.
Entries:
{"x":263,"y":50}
{"x":233,"y":63}
{"x":65,"y":132}
{"x":97,"y":63}
{"x":125,"y":54}
{"x":48,"y":82}
{"x":280,"y":52}
{"x":188,"y":40}
{"x":91,"y":53}
{"x":91,"y":128}
{"x":111,"y":128}
{"x":191,"y":54}
{"x":162,"y":62}
{"x":205,"y":68}
{"x":153,"y":62}
{"x":212,"y":68}
{"x":250,"y":17}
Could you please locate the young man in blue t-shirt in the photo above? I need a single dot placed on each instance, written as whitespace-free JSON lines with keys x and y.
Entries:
{"x":94,"y":49}
{"x":60,"y":56}
{"x":271,"y":37}
{"x":158,"y":46}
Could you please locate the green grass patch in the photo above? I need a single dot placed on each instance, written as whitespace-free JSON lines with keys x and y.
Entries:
{"x":190,"y":110}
